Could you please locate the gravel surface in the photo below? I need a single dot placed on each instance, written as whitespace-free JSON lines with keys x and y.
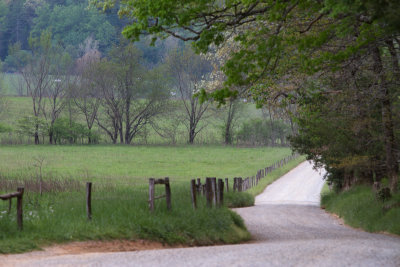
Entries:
{"x":288,"y":227}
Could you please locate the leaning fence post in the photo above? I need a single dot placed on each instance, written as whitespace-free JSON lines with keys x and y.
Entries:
{"x":167,"y":193}
{"x":19,"y":207}
{"x":151,"y":194}
{"x":193,"y":193}
{"x":89,"y":200}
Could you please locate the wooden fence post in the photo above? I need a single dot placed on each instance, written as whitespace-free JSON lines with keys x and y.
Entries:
{"x":220,"y":193}
{"x":240,"y":184}
{"x":19,"y":208}
{"x":214,"y":190}
{"x":193,"y":193}
{"x":168,"y":193}
{"x":227,"y":185}
{"x":209,"y":194}
{"x":89,"y":200}
{"x":199,"y":185}
{"x":151,"y":194}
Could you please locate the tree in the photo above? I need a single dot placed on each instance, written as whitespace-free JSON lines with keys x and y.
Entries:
{"x":57,"y":91}
{"x":85,"y":94}
{"x":37,"y":75}
{"x":287,"y":44}
{"x":110,"y":119}
{"x":188,"y":71}
{"x":3,"y":18}
{"x":130,"y":97}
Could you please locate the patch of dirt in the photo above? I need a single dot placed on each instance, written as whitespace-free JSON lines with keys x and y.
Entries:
{"x":85,"y":247}
{"x":105,"y":246}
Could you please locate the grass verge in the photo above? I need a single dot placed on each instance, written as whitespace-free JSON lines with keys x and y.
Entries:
{"x":120,"y":214}
{"x":359,"y":208}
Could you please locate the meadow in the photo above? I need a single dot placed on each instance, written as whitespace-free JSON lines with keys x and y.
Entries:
{"x":136,"y":163}
{"x":120,"y":192}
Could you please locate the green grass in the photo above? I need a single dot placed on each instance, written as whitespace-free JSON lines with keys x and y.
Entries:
{"x":120,"y":214}
{"x":127,"y":163}
{"x":120,"y":192}
{"x":325,"y":189}
{"x":359,"y":208}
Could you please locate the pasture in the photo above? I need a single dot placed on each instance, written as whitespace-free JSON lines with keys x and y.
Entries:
{"x":136,"y":163}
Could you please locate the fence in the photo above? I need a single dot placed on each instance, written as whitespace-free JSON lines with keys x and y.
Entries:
{"x":19,"y":194}
{"x":212,"y":189}
{"x":214,"y":192}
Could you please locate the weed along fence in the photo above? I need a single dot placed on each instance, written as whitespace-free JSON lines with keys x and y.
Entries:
{"x":18,"y":195}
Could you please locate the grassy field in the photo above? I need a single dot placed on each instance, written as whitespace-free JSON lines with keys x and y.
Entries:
{"x":359,"y":208}
{"x":120,"y":192}
{"x":115,"y":163}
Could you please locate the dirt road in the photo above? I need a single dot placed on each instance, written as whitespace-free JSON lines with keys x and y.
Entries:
{"x":287,"y":224}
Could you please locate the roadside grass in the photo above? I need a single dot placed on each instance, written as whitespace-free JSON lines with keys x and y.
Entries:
{"x":121,"y":214}
{"x":325,"y":189}
{"x":359,"y":208}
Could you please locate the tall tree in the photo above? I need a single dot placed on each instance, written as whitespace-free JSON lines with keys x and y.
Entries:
{"x":188,"y":71}
{"x":57,"y":92}
{"x":37,"y":74}
{"x":85,"y":94}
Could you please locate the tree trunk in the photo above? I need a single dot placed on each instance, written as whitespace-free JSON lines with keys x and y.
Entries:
{"x":228,"y":125}
{"x":51,"y":137}
{"x":37,"y":141}
{"x":387,"y":121}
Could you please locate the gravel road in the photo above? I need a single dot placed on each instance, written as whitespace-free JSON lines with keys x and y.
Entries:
{"x":288,"y":227}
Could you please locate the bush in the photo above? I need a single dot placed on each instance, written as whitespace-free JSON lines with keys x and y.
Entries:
{"x":5,"y":128}
{"x":66,"y":131}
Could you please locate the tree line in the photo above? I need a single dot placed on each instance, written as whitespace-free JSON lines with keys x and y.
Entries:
{"x":121,"y":96}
